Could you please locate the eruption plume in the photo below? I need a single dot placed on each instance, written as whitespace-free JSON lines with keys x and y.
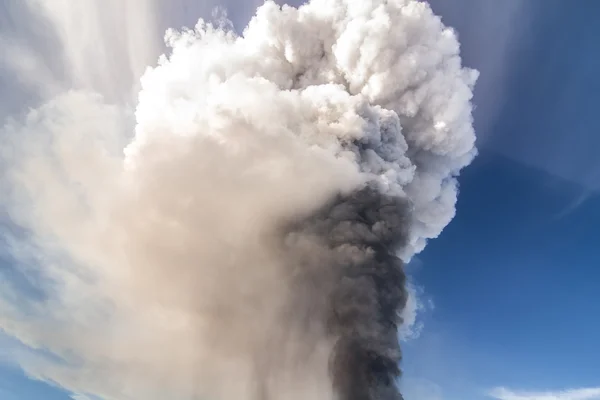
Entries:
{"x":241,"y":234}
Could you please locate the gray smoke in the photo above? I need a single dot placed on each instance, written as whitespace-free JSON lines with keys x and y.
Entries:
{"x":367,"y":292}
{"x":345,"y":284}
{"x":241,"y":233}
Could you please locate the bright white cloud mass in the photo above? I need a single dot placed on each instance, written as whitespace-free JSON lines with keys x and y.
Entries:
{"x":570,"y":394}
{"x":151,"y":233}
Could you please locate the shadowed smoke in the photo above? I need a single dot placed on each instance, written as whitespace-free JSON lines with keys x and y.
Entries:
{"x":363,"y":287}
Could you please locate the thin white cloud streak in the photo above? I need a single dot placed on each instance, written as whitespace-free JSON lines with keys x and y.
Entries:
{"x":502,"y":393}
{"x":102,"y":46}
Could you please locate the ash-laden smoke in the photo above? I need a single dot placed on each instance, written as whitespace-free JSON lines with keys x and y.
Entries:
{"x":365,"y":291}
{"x":347,"y":285}
{"x":241,"y":234}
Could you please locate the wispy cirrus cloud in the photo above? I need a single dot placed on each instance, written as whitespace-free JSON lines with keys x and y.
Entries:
{"x":502,"y":393}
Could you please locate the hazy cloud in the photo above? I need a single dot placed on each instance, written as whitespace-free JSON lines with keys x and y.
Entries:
{"x":502,"y":393}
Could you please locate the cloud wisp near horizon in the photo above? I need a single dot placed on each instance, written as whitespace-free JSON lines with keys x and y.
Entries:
{"x":502,"y":393}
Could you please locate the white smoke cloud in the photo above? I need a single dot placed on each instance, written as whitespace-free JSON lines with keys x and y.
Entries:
{"x":416,"y":305}
{"x":146,"y":232}
{"x":421,"y":389}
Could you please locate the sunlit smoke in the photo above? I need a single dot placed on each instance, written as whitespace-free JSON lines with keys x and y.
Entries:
{"x":240,"y":232}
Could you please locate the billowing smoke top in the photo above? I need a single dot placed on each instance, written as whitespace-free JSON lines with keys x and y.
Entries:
{"x":246,"y":241}
{"x":379,"y":83}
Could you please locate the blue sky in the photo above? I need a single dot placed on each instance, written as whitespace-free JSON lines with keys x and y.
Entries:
{"x":514,"y":278}
{"x":515,"y":287}
{"x":16,"y":386}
